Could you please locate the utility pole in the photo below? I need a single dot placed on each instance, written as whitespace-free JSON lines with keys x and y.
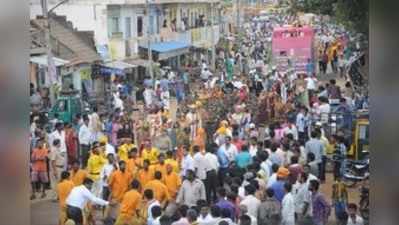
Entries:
{"x":50,"y":65}
{"x":149,"y":51}
{"x":213,"y":38}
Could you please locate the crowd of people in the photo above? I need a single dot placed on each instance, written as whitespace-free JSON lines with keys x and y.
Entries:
{"x":240,"y":150}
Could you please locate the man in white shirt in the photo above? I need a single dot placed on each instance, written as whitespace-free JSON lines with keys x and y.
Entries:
{"x":300,"y":123}
{"x":148,"y":96}
{"x":303,"y":200}
{"x":211,"y":175}
{"x":204,"y":217}
{"x":288,"y":206}
{"x":353,"y":218}
{"x":151,"y":202}
{"x":191,"y":190}
{"x":230,"y":149}
{"x":205,"y":74}
{"x":187,"y":162}
{"x":84,"y":140}
{"x":201,"y":165}
{"x":291,"y":129}
{"x":118,"y":103}
{"x":273,"y":177}
{"x":250,"y":201}
{"x":78,"y":198}
{"x":324,"y":110}
{"x":57,"y":164}
{"x":306,"y":172}
{"x":104,"y":175}
{"x":58,"y":133}
{"x":245,"y":218}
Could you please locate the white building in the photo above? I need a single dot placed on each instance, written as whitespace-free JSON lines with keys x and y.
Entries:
{"x":120,"y":26}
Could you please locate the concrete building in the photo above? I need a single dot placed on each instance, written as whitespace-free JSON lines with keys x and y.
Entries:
{"x":120,"y":26}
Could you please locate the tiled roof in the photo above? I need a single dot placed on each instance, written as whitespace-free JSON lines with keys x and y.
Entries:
{"x":79,"y":42}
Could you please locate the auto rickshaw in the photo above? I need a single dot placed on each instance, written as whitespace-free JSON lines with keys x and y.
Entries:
{"x":360,"y":137}
{"x":67,"y":106}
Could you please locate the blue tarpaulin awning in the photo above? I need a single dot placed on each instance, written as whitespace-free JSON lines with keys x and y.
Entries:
{"x":168,"y":46}
{"x":169,"y":49}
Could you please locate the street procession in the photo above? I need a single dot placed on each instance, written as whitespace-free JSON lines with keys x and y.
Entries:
{"x":200,"y":112}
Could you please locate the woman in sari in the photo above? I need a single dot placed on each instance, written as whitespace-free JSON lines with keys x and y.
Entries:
{"x":71,"y":141}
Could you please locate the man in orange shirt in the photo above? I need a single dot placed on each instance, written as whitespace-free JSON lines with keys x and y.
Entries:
{"x":134,"y":163}
{"x":160,"y":190}
{"x":64,"y":187}
{"x":170,"y":159}
{"x":119,"y":182}
{"x":161,"y":166}
{"x":39,"y":169}
{"x":146,"y":174}
{"x":130,"y":205}
{"x":77,"y":175}
{"x":150,"y":152}
{"x":172,"y":181}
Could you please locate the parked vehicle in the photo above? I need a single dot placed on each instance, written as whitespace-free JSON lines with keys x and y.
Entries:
{"x":356,"y":171}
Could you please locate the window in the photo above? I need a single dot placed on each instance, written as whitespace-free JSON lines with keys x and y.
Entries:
{"x":128,"y":29}
{"x":140,"y":26}
{"x":115,"y":25}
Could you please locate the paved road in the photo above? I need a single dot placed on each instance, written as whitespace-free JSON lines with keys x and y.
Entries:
{"x":44,"y":212}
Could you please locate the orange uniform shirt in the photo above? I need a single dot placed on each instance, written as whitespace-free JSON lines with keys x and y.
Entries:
{"x":78,"y":177}
{"x":174,"y":164}
{"x":161,"y":192}
{"x":39,"y":159}
{"x":133,"y":166}
{"x":130,"y":203}
{"x":63,"y":190}
{"x":160,"y":168}
{"x":145,"y":176}
{"x":173,"y":182}
{"x":119,"y":183}
{"x":150,"y":154}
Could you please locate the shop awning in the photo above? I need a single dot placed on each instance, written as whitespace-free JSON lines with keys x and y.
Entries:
{"x":169,"y":49}
{"x":120,"y":65}
{"x":42,"y":60}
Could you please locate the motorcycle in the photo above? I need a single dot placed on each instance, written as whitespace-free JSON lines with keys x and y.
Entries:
{"x":356,"y":171}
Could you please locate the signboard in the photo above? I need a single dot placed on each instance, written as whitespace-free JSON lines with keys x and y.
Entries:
{"x":103,"y":51}
{"x":108,"y":71}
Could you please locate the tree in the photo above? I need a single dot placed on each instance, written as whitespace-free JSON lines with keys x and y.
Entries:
{"x":352,"y":13}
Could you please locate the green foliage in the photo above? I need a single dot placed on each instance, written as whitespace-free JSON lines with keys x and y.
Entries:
{"x":352,"y":13}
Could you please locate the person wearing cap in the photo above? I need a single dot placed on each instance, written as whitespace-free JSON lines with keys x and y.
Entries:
{"x":94,"y":166}
{"x":278,"y":186}
{"x":107,"y":147}
{"x":124,"y":149}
